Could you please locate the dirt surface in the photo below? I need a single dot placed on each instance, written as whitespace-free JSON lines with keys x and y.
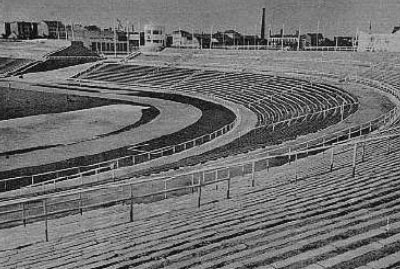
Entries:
{"x":376,"y":105}
{"x":66,"y":127}
{"x":173,"y":117}
{"x":18,"y":103}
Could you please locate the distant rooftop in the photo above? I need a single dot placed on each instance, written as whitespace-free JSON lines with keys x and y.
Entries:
{"x":396,"y":29}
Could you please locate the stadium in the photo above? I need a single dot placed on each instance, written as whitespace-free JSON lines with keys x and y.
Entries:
{"x":191,"y":158}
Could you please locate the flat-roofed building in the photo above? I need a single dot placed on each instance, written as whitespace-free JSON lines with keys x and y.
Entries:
{"x":378,"y":42}
{"x":282,"y":40}
{"x":154,"y":37}
{"x":52,"y":30}
{"x":2,"y":30}
{"x":21,"y":30}
{"x":183,"y":39}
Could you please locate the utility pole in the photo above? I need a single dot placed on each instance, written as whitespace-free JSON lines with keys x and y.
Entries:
{"x":58,"y":31}
{"x":298,"y":41}
{"x":127,"y":37}
{"x":192,"y":38}
{"x":283,"y":34}
{"x":211,"y":36}
{"x":317,"y":35}
{"x":115,"y":40}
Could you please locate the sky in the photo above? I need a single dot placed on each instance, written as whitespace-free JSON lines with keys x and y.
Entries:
{"x":332,"y":17}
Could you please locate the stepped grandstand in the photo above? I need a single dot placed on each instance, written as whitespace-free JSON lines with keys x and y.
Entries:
{"x":238,"y":159}
{"x":19,"y":57}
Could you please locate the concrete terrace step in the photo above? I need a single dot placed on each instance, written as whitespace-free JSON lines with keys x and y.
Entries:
{"x":323,"y":220}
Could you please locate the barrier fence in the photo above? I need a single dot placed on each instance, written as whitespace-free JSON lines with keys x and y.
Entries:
{"x":77,"y":201}
{"x":90,"y":170}
{"x":321,"y":141}
{"x":42,"y":208}
{"x":94,"y":169}
{"x":85,"y":171}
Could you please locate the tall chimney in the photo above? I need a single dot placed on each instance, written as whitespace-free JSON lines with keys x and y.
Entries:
{"x":263,"y":24}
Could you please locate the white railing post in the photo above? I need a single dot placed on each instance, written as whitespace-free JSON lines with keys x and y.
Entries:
{"x":23,"y":214}
{"x":192,"y":180}
{"x":80,"y":203}
{"x":353,"y":173}
{"x":131,"y":203}
{"x":216,"y":178}
{"x":46,"y":231}
{"x":253,"y":170}
{"x":342,"y":110}
{"x":362,"y":152}
{"x":165,"y":189}
{"x":296,"y":166}
{"x":199,"y":186}
{"x":229,"y":185}
{"x":332,"y":159}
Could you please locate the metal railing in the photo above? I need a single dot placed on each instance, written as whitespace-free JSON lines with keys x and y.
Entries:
{"x":130,"y":160}
{"x":45,"y":207}
{"x":90,"y":170}
{"x":41,"y":208}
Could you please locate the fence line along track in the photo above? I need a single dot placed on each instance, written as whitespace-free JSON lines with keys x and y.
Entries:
{"x":94,"y":169}
{"x":22,"y":211}
{"x":44,"y":207}
{"x":130,"y":160}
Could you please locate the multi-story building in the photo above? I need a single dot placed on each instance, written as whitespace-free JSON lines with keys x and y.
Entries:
{"x":183,"y":39}
{"x":52,"y":30}
{"x":2,"y":30}
{"x":21,"y":30}
{"x":282,"y":40}
{"x":379,"y":42}
{"x":154,"y":37}
{"x":314,"y":39}
{"x":344,"y":41}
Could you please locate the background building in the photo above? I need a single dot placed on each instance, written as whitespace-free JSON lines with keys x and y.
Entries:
{"x":2,"y":30}
{"x":282,"y":40}
{"x":52,"y":30}
{"x":183,"y":39}
{"x":154,"y":36}
{"x":344,"y":41}
{"x":379,"y":42}
{"x":21,"y":30}
{"x":314,"y":39}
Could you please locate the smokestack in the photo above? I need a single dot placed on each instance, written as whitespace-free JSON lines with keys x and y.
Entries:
{"x":263,"y":24}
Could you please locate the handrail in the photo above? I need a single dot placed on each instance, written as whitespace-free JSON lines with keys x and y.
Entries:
{"x":326,"y":139}
{"x":19,"y":205}
{"x":204,"y":169}
{"x":114,"y":163}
